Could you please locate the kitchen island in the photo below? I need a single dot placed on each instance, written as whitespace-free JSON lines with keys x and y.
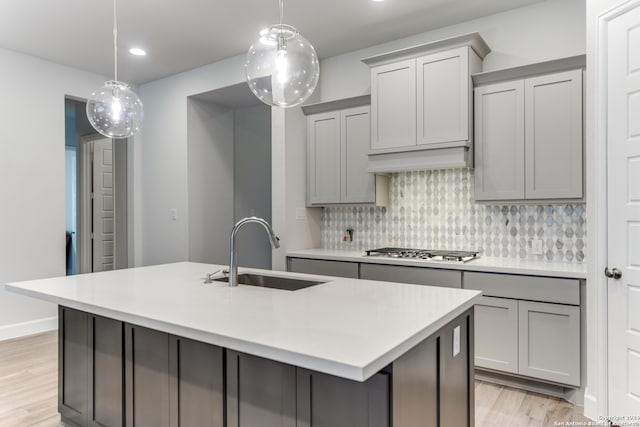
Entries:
{"x":156,"y":346}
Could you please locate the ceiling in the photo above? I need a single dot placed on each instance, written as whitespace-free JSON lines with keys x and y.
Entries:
{"x":180,"y":35}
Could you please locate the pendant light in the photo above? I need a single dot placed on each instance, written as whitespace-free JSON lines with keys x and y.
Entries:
{"x":114,"y":110}
{"x":282,"y":67}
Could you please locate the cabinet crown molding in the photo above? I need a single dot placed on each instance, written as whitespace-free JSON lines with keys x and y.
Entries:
{"x":530,"y":70}
{"x":340,"y":104}
{"x":473,"y":40}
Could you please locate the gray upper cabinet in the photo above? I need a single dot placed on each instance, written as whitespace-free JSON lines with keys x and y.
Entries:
{"x":528,"y":130}
{"x":553,"y":136}
{"x":444,"y":96}
{"x":339,"y":134}
{"x":324,"y":158}
{"x":421,"y":105}
{"x":499,"y":141}
{"x":393,"y":105}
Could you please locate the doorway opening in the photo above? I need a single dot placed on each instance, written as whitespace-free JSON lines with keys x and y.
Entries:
{"x":229,"y":175}
{"x":96,"y":196}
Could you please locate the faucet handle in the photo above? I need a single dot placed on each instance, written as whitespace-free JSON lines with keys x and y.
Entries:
{"x":225,"y":272}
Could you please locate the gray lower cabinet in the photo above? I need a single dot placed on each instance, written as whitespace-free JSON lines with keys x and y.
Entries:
{"x":415,"y":275}
{"x":114,"y":374}
{"x":323,"y":267}
{"x":549,"y":344}
{"x":90,"y":384}
{"x":497,"y":334}
{"x":260,"y":392}
{"x":167,"y":380}
{"x":106,"y":384}
{"x":528,"y":326}
{"x":172,"y":381}
{"x":196,"y":383}
{"x":73,"y":360}
{"x":327,"y":401}
{"x":146,"y":377}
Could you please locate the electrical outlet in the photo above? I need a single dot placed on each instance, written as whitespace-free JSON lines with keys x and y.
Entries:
{"x":456,"y":341}
{"x":536,"y":247}
{"x":174,"y":214}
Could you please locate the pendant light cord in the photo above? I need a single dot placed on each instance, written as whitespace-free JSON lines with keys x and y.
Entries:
{"x":115,"y":42}
{"x":281,"y":4}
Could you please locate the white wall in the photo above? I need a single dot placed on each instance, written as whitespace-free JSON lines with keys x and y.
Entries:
{"x":210,"y":180}
{"x":543,"y":31}
{"x":32,"y":181}
{"x":252,"y":182}
{"x":161,"y":169}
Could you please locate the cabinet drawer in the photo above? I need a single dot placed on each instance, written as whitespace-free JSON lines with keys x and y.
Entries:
{"x":323,"y":267}
{"x":415,"y":275}
{"x":546,"y":289}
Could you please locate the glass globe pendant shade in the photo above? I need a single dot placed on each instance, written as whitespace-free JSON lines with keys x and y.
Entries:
{"x":282,"y":67}
{"x":115,"y":110}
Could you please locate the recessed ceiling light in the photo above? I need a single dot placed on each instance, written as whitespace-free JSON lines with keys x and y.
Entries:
{"x":137,"y":51}
{"x":377,"y":1}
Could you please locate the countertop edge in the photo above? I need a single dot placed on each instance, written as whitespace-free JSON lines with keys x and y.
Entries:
{"x":474,"y":265}
{"x":356,"y":373}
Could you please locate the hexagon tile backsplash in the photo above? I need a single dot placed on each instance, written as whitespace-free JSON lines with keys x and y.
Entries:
{"x":435,"y":210}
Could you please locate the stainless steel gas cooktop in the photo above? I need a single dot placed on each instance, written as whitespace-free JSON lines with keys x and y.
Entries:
{"x":428,"y":254}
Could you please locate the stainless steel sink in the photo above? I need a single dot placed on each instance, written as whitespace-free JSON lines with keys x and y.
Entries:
{"x":274,"y":282}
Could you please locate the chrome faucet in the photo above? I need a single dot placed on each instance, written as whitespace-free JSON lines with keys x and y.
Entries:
{"x":233,"y":263}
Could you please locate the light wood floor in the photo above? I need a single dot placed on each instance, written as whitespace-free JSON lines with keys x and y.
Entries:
{"x":29,"y":388}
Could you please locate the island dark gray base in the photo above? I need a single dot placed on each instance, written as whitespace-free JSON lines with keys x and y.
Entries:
{"x":113,"y":374}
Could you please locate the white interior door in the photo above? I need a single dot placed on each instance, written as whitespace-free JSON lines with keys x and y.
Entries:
{"x":623,"y":145}
{"x":103,"y":225}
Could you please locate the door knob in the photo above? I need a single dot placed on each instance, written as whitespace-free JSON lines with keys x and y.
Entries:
{"x":614,"y":273}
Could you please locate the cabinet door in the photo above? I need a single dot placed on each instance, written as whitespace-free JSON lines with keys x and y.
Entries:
{"x":324,"y":158}
{"x":393,"y":105}
{"x":358,"y":186}
{"x":260,"y":392}
{"x":146,"y":377}
{"x":416,"y":275}
{"x":106,"y":380}
{"x":73,"y":360}
{"x":443,"y":96}
{"x":496,"y":334}
{"x":328,"y":401}
{"x":499,"y":141}
{"x":323,"y":267}
{"x":549,"y":342}
{"x":197,"y":391}
{"x":554,"y":136}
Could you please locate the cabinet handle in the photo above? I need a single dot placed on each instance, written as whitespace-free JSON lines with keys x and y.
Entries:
{"x":614,"y":273}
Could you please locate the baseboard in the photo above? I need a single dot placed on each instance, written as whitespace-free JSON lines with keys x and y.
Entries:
{"x":31,"y":327}
{"x":572,"y":395}
{"x":590,"y":406}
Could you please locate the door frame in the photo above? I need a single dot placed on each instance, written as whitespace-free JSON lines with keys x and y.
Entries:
{"x":84,"y":262}
{"x":596,"y":399}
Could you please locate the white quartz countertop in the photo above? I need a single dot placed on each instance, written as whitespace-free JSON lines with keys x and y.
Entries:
{"x":483,"y":264}
{"x":344,"y":327}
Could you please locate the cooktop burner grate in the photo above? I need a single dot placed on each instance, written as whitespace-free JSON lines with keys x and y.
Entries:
{"x":428,"y":254}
